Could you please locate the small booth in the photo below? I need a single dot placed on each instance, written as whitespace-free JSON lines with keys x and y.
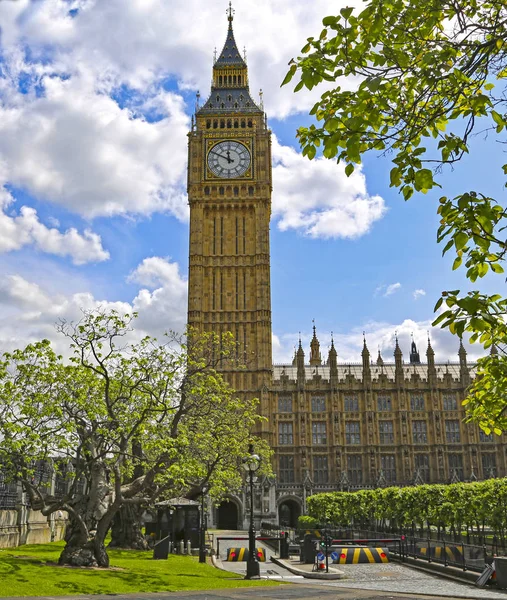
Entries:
{"x":178,"y":519}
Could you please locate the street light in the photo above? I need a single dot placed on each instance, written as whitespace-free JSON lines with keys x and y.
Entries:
{"x":251,"y":463}
{"x":202,"y":540}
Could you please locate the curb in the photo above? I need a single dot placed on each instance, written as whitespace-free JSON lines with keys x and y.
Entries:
{"x":306,"y":574}
{"x":437,"y":569}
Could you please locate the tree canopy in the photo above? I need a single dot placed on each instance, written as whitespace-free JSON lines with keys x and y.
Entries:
{"x":123,"y":421}
{"x":425,"y":77}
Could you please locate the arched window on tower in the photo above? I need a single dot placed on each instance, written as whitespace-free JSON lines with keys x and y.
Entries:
{"x":239,"y":79}
{"x":208,"y":124}
{"x":236,"y":123}
{"x":229,"y":124}
{"x":222,"y":124}
{"x":243,"y":124}
{"x":221,"y":191}
{"x":251,"y":190}
{"x":250,"y":124}
{"x":206,"y":191}
{"x":220,"y":80}
{"x":215,"y":124}
{"x":236,"y":191}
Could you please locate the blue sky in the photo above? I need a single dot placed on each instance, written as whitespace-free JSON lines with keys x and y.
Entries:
{"x":95,"y":104}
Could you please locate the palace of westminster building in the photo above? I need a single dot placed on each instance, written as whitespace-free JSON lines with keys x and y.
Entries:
{"x":332,"y":426}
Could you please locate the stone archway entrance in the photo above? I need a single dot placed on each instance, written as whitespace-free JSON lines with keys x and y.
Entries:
{"x":288,"y":513}
{"x":227,"y":515}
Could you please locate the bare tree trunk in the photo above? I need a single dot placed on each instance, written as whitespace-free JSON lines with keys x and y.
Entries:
{"x":126,"y":529}
{"x":88,"y":527}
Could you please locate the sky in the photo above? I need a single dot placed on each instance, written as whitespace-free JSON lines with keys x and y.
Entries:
{"x":96,"y":98}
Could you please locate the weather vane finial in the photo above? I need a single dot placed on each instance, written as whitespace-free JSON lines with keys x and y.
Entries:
{"x":230,"y":12}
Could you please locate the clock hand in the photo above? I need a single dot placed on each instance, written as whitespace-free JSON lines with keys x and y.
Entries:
{"x":222,"y":155}
{"x":229,"y":157}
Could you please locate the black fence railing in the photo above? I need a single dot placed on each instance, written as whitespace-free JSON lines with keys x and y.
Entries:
{"x":468,"y":557}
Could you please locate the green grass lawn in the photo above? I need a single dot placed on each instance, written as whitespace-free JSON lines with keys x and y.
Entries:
{"x":31,"y":571}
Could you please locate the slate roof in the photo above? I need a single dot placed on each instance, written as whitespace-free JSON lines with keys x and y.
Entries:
{"x":229,"y":100}
{"x":230,"y":54}
{"x":356,"y":371}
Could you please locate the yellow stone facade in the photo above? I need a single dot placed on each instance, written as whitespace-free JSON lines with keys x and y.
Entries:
{"x":332,"y":426}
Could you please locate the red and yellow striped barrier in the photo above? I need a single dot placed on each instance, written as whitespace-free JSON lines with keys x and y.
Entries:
{"x":241,"y":554}
{"x":354,"y":556}
{"x":453,"y":552}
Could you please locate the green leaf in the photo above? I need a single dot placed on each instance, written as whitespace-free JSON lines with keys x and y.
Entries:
{"x":349,"y":169}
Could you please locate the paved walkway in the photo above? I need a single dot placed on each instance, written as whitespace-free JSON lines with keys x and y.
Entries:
{"x":391,"y":578}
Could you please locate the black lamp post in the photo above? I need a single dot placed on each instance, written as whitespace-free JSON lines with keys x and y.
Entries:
{"x":202,"y":537}
{"x":251,"y":463}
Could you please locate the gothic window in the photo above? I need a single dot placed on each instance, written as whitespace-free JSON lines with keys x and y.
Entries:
{"x":416,"y":402}
{"x":220,"y":80}
{"x":452,"y":433}
{"x":285,"y":404}
{"x":218,"y":98}
{"x":285,"y":436}
{"x":239,"y":79}
{"x":221,"y":191}
{"x":215,"y":124}
{"x":234,"y":80}
{"x":320,"y":469}
{"x":419,"y":432}
{"x":243,"y":124}
{"x":251,"y":191}
{"x":422,"y":464}
{"x":386,"y":432}
{"x":450,"y":402}
{"x":235,"y":106}
{"x":229,"y":98}
{"x":206,"y":191}
{"x":208,"y":124}
{"x":488,"y":466}
{"x":388,"y":466}
{"x":352,"y":432}
{"x":318,"y":403}
{"x":236,"y":191}
{"x":351,"y":404}
{"x":222,"y":105}
{"x":485,"y":438}
{"x":286,"y":474}
{"x":355,"y":469}
{"x":229,"y":124}
{"x":222,"y":124}
{"x":319,"y":432}
{"x":250,"y":124}
{"x":456,"y":465}
{"x":241,"y":98}
{"x":236,"y":124}
{"x":384,"y":403}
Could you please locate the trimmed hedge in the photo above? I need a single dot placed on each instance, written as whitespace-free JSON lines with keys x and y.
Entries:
{"x":455,"y":506}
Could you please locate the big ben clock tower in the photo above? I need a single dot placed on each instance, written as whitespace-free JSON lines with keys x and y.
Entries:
{"x":229,"y":191}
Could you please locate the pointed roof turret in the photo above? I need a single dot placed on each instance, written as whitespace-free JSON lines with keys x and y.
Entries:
{"x":397,"y":349}
{"x":430,"y":351}
{"x":332,"y":361}
{"x":230,"y":55}
{"x":229,"y":88}
{"x":380,"y":360}
{"x":315,"y":356}
{"x":414,"y":354}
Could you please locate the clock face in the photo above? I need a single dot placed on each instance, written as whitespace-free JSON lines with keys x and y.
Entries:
{"x":229,"y":159}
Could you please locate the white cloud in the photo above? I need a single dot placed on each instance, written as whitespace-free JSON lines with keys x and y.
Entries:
{"x":25,"y":228}
{"x":318,"y":199}
{"x":387,"y":290}
{"x":139,"y":41}
{"x":75,"y":146}
{"x":30,"y":310}
{"x":418,"y":294}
